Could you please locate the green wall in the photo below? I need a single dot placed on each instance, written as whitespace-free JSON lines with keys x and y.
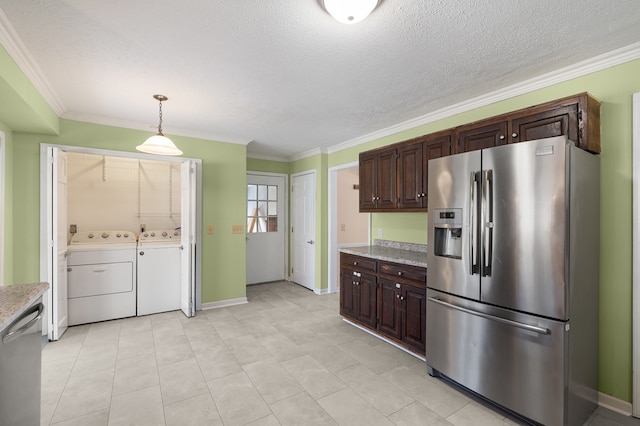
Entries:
{"x":267,"y":166}
{"x":614,"y":87}
{"x":223,"y":200}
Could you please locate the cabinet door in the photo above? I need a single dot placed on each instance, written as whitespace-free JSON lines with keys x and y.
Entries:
{"x":386,"y":196}
{"x":485,"y":134}
{"x":366,"y":300}
{"x":554,"y":122}
{"x":348,"y":289}
{"x":410,"y":175}
{"x":414,"y":304}
{"x":390,"y":308}
{"x":439,"y":146}
{"x":368,"y":172}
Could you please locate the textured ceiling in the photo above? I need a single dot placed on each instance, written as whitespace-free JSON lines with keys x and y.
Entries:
{"x":285,"y":75}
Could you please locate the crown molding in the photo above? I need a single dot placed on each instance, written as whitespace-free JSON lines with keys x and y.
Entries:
{"x":17,"y":50}
{"x":94,"y":119}
{"x":598,"y":63}
{"x":306,"y":154}
{"x":266,"y":157}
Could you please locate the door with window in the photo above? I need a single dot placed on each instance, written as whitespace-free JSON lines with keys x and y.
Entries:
{"x":266,"y":228}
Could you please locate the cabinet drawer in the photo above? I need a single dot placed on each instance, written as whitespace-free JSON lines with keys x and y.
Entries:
{"x":358,"y":262}
{"x":403,"y":271}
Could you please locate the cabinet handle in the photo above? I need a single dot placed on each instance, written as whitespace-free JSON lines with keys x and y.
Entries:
{"x":424,"y":195}
{"x":400,"y":273}
{"x":397,"y":285}
{"x":373,"y":198}
{"x":514,"y":135}
{"x":401,"y":298}
{"x":397,"y":296}
{"x":501,"y":137}
{"x":355,"y":263}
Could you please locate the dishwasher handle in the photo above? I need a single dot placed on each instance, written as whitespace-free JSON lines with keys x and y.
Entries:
{"x":14,"y":334}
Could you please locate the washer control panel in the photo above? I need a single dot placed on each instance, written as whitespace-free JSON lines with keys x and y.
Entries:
{"x":160,"y":235}
{"x":103,"y":237}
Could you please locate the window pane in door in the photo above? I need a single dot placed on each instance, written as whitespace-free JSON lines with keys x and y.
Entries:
{"x":252,"y":192}
{"x":273,"y":193}
{"x":262,"y":192}
{"x":273,"y":208}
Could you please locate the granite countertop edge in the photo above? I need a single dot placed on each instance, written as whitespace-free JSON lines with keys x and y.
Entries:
{"x":14,"y":299}
{"x":389,"y":253}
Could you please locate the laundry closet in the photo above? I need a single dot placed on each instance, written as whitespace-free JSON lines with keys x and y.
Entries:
{"x":123,"y":235}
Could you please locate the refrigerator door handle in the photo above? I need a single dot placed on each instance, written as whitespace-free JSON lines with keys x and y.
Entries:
{"x":473,"y":224}
{"x":487,"y":233}
{"x":528,"y":327}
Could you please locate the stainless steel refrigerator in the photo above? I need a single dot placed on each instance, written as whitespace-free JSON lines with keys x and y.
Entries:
{"x":512,"y":277}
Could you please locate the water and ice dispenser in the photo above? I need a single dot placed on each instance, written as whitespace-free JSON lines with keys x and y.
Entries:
{"x":447,"y":233}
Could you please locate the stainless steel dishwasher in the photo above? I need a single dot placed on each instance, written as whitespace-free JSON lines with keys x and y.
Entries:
{"x":20,"y":368}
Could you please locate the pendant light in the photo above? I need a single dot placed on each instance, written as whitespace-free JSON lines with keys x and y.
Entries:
{"x":349,"y":11}
{"x":159,"y":144}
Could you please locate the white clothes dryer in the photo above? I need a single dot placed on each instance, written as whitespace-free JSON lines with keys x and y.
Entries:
{"x":159,"y":263}
{"x":101,"y":274}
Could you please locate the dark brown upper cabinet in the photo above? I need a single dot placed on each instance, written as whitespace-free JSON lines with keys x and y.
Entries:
{"x":481,"y":135}
{"x":378,"y":180}
{"x":413,"y":168}
{"x":577,"y":117}
{"x":394,"y":178}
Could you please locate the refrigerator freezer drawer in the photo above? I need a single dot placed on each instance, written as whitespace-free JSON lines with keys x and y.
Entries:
{"x":513,"y":359}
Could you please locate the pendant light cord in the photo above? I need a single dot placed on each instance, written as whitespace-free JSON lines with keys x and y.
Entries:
{"x":160,"y":123}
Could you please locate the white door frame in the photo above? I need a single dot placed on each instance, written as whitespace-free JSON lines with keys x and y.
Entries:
{"x":636,"y":256}
{"x":3,"y":179}
{"x":45,"y":261}
{"x":332,"y":213}
{"x":284,"y":176}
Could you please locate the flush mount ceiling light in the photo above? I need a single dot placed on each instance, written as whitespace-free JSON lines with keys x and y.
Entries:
{"x":159,"y":144}
{"x":349,"y":11}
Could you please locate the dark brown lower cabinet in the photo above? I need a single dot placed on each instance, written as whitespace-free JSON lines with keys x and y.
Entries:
{"x":388,"y":298}
{"x":358,"y":297}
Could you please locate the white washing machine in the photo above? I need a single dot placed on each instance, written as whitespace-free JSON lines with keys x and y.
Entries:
{"x":101,"y":276}
{"x":159,"y":260}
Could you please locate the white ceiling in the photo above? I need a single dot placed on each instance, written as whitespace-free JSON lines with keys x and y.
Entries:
{"x":284,"y":74}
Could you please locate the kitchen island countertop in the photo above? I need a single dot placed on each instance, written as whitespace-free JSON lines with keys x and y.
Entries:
{"x":392,"y":251}
{"x":15,"y":298}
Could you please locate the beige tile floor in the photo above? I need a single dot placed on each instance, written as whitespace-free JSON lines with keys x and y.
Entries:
{"x":285,"y":358}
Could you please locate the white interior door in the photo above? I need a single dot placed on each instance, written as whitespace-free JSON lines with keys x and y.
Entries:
{"x":58,"y":246}
{"x":266,"y":228}
{"x":188,"y":218}
{"x":303,"y":229}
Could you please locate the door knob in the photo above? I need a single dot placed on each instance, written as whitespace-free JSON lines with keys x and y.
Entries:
{"x":310,"y":242}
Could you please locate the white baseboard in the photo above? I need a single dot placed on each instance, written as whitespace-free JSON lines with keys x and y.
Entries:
{"x":321,"y":291}
{"x":224,"y":303}
{"x":614,"y":404}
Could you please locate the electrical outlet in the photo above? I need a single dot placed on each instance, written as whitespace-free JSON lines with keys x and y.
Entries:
{"x":210,"y":229}
{"x":237,"y":229}
{"x":73,"y":229}
{"x":379,"y":232}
